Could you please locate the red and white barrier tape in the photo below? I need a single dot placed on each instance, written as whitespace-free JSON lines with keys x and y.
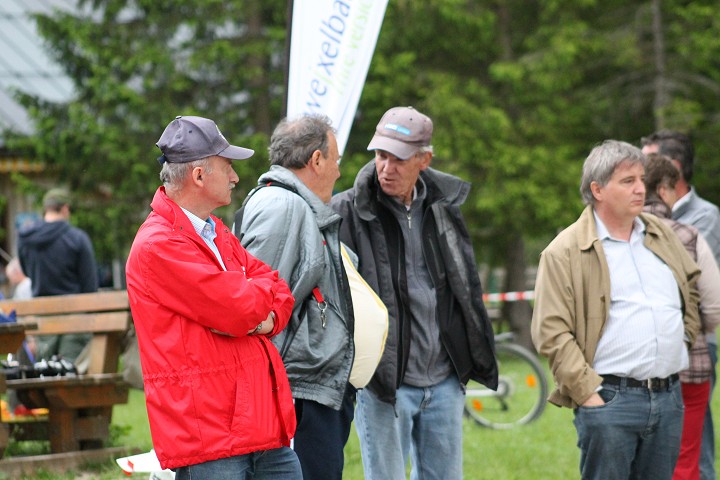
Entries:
{"x":508,"y":296}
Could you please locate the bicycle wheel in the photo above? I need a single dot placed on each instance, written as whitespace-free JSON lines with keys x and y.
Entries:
{"x":521,"y":394}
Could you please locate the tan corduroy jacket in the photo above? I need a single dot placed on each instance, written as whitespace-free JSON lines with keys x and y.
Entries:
{"x":572,"y":301}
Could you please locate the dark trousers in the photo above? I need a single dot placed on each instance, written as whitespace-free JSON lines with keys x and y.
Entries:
{"x":321,"y":436}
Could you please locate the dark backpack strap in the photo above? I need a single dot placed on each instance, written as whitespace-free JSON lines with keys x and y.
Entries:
{"x":240,"y":211}
{"x":289,"y":334}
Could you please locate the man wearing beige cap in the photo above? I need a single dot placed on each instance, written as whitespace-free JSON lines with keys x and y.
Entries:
{"x":204,"y":309}
{"x":403,"y":219}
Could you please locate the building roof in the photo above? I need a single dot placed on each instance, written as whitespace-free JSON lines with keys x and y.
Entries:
{"x":24,"y":62}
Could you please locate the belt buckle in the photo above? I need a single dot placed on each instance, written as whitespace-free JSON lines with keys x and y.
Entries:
{"x":649,"y":383}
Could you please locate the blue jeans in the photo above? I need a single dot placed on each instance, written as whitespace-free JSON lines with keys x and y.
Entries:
{"x":278,"y":464}
{"x":707,"y":448}
{"x":425,"y":423}
{"x":635,"y":435}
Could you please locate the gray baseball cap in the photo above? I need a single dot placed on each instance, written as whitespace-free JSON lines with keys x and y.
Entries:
{"x":186,"y":139}
{"x":402,"y":131}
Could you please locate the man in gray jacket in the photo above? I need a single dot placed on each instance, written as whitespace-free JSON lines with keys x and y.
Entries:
{"x":692,"y":209}
{"x":287,"y":223}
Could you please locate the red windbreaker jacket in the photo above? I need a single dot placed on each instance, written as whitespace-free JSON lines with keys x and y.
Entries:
{"x":208,"y":395}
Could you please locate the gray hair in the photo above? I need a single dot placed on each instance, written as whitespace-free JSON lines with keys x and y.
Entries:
{"x":294,"y":141}
{"x":602,"y":162}
{"x":173,"y":175}
{"x":425,"y":149}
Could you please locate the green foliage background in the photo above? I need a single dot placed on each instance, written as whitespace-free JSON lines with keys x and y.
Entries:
{"x":519,"y":93}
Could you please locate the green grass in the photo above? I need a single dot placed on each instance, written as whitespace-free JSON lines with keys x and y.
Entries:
{"x":131,"y":420}
{"x":542,"y":450}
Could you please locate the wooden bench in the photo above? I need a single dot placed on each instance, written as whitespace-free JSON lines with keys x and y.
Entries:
{"x":79,"y":407}
{"x":11,"y":338}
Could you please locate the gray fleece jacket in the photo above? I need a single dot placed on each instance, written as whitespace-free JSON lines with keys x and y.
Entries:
{"x":297,"y":234}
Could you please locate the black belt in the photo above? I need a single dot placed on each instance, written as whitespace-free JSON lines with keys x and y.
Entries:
{"x":653,"y":384}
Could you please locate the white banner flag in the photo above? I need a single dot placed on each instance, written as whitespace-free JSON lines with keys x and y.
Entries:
{"x":331,"y":46}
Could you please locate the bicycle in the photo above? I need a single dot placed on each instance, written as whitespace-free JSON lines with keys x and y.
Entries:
{"x":522,"y":389}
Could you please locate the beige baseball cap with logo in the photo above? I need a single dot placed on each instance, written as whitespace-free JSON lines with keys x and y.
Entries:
{"x":401,"y":132}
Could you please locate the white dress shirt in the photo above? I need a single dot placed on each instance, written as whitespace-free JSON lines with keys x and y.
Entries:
{"x":644,"y":333}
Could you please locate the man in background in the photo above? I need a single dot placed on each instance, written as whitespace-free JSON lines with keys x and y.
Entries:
{"x":691,"y":209}
{"x":660,"y":179}
{"x":59,"y":259}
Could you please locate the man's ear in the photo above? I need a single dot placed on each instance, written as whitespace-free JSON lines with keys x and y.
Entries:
{"x":197,"y":175}
{"x":425,"y":160}
{"x":314,"y":162}
{"x":596,"y":190}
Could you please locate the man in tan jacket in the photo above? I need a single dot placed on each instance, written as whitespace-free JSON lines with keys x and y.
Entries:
{"x":615,"y":312}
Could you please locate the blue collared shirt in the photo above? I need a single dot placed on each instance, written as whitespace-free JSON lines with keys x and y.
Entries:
{"x":206,"y":230}
{"x":644,"y":333}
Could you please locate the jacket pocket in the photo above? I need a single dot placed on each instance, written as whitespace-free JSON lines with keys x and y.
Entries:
{"x":255,"y":414}
{"x":317,"y":353}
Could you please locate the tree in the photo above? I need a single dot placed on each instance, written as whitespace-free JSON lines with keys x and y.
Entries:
{"x":519,"y":93}
{"x":686,"y":93}
{"x":135,"y":65}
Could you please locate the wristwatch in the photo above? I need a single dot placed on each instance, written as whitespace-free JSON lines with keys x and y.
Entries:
{"x":257,"y":329}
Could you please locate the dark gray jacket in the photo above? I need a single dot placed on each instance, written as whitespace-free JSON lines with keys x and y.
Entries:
{"x":58,"y":257}
{"x":297,"y":234}
{"x":373,"y":233}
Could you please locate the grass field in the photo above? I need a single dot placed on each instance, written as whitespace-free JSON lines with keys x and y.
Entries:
{"x":542,"y":450}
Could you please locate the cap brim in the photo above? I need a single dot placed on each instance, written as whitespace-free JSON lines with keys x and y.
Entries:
{"x":236,"y":153}
{"x":401,"y":150}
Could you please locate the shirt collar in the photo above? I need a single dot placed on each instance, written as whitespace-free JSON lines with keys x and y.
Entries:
{"x":684,"y":200}
{"x":604,"y":234}
{"x":204,"y":228}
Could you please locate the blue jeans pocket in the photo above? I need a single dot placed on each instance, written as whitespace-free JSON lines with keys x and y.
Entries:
{"x":608,"y":395}
{"x":677,"y":397}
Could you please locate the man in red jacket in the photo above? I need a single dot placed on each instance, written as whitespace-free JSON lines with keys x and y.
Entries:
{"x":217,"y":394}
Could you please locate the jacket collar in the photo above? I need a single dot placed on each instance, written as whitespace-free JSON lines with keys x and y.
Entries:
{"x":682,"y":206}
{"x":587,"y":230}
{"x":657,"y":207}
{"x":324,"y":215}
{"x":171,"y":211}
{"x":441,"y":188}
